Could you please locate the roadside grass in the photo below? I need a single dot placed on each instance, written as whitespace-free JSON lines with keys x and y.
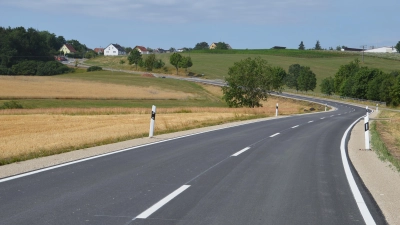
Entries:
{"x":53,"y":131}
{"x":385,"y":137}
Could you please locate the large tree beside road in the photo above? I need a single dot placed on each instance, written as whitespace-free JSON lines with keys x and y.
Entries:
{"x":175,"y":60}
{"x":249,"y":82}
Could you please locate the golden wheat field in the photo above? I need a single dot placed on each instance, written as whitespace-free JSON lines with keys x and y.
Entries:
{"x":33,"y":130}
{"x":50,"y":87}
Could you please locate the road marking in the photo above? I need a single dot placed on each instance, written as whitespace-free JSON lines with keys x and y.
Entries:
{"x":310,"y":121}
{"x":332,"y":116}
{"x":241,"y":151}
{"x":322,"y":118}
{"x":274,"y":135}
{"x":368,"y":219}
{"x":339,"y":114}
{"x":162,"y":202}
{"x":295,"y":126}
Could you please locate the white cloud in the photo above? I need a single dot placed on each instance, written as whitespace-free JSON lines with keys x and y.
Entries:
{"x":180,"y":11}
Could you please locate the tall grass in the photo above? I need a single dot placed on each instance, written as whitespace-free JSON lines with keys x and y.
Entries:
{"x":380,"y":148}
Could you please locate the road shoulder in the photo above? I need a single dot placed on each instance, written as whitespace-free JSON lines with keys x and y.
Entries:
{"x":381,"y":179}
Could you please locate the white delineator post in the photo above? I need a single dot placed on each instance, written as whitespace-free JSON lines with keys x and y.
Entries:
{"x":376,"y":107}
{"x":366,"y":128}
{"x":153,"y":118}
{"x":326,"y":105}
{"x":276,"y":111}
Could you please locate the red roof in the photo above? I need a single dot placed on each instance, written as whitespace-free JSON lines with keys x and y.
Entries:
{"x":141,"y":48}
{"x":99,"y":50}
{"x":70,"y":47}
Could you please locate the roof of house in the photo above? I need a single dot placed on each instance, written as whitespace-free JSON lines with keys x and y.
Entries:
{"x":353,"y":49}
{"x":97,"y":50}
{"x":279,"y":47}
{"x":70,"y":47}
{"x":119,"y":47}
{"x":141,"y":48}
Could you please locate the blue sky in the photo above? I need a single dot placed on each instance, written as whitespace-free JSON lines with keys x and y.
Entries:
{"x":252,"y":24}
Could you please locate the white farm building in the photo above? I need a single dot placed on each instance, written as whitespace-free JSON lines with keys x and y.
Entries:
{"x":382,"y":50}
{"x":114,"y":49}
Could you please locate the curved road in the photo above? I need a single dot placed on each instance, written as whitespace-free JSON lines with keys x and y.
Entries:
{"x":282,"y":171}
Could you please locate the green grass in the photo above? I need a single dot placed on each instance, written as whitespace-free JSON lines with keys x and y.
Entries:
{"x":381,"y":149}
{"x":214,"y":64}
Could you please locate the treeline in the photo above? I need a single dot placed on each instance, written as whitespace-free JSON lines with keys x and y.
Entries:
{"x":31,"y":52}
{"x":355,"y":81}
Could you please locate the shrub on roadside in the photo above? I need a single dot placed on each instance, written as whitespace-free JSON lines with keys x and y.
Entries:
{"x":94,"y":68}
{"x":52,"y":68}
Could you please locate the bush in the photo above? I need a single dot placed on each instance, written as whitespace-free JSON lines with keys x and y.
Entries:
{"x":94,"y":68}
{"x":52,"y":68}
{"x":28,"y":67}
{"x":5,"y":71}
{"x":11,"y":105}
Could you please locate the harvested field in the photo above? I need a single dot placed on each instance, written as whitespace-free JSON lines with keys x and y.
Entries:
{"x":37,"y":132}
{"x":54,"y":87}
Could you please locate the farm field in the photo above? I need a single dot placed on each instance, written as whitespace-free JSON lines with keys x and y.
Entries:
{"x":74,"y":111}
{"x":215,"y":66}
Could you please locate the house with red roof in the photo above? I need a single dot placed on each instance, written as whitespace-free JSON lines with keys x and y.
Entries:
{"x":99,"y":50}
{"x":67,"y":49}
{"x":141,"y":49}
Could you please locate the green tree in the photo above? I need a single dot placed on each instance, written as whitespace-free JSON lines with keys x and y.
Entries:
{"x":149,"y":62}
{"x":338,"y":48}
{"x":175,"y":59}
{"x":201,"y":45}
{"x":307,"y":80}
{"x":134,"y":57}
{"x":395,"y":93}
{"x":221,"y":45}
{"x":301,"y":46}
{"x":186,"y":62}
{"x":379,"y":88}
{"x":397,"y":47}
{"x":328,"y":86}
{"x":317,"y":46}
{"x":248,"y":83}
{"x":278,"y":78}
{"x":345,"y":72}
{"x":293,"y":74}
{"x":361,"y":79}
{"x":128,"y":49}
{"x":90,"y":54}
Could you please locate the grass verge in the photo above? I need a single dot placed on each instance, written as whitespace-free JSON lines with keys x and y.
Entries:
{"x":380,"y":148}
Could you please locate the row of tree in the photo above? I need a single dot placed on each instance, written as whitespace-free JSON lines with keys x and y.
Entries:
{"x":356,"y":81}
{"x":151,"y":62}
{"x":251,"y":80}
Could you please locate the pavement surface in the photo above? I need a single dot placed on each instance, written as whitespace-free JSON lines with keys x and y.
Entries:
{"x":286,"y":170}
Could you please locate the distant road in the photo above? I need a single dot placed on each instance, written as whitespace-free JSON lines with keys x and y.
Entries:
{"x":283,"y":171}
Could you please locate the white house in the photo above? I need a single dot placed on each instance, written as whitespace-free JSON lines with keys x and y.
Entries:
{"x":141,"y":49}
{"x":382,"y":50}
{"x":114,"y":49}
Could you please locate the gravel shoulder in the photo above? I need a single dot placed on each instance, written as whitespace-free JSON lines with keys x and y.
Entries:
{"x":381,"y":179}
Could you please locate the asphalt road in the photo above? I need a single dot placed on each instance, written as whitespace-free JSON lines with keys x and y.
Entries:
{"x":283,"y":171}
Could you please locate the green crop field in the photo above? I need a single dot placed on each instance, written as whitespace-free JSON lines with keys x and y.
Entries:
{"x":215,"y":64}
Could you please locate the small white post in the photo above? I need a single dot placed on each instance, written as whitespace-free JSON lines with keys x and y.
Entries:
{"x":366,"y":128}
{"x":326,"y":105}
{"x":153,"y":118}
{"x":276,"y":111}
{"x":376,"y":107}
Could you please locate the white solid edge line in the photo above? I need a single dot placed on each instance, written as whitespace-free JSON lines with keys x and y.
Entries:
{"x":241,"y":151}
{"x":162,"y":202}
{"x":310,"y":121}
{"x":369,"y":220}
{"x":274,"y":135}
{"x":295,"y":126}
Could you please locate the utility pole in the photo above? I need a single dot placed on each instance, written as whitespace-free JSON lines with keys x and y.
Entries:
{"x":363,"y":46}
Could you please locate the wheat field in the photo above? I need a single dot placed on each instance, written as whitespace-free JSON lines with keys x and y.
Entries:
{"x":55,"y":87}
{"x":30,"y":131}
